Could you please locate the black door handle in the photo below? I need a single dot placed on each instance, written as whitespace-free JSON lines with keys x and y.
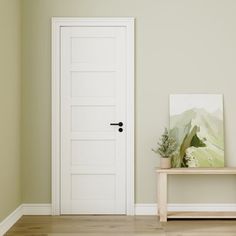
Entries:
{"x":119,"y":124}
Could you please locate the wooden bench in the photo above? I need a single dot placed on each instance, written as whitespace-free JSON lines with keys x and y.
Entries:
{"x":162,"y":175}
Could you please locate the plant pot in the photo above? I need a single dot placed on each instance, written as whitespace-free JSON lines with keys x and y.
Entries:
{"x":165,"y":163}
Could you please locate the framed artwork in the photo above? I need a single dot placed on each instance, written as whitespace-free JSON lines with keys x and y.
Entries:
{"x":196,"y":122}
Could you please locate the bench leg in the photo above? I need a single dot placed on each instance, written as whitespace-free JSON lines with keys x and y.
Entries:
{"x":162,"y":196}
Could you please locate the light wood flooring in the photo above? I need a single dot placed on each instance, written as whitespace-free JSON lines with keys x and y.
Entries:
{"x":118,"y":226}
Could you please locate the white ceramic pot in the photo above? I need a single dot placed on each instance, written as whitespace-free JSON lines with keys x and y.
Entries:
{"x":165,"y":163}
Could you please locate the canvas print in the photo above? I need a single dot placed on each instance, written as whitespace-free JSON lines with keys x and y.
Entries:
{"x":196,"y":122}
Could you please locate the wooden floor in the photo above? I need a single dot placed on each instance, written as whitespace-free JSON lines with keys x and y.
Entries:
{"x":118,"y":226}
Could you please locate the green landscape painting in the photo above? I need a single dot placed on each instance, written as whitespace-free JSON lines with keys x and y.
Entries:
{"x":196,"y":122}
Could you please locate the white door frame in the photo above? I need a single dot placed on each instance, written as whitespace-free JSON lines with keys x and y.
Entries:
{"x":57,"y":23}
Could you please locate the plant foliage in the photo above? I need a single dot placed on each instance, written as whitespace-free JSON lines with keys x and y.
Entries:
{"x":167,"y":145}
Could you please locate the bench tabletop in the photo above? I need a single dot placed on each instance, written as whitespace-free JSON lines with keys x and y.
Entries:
{"x":182,"y":171}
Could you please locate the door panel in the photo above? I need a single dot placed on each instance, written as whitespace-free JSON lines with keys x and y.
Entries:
{"x":85,"y":187}
{"x":93,"y":152}
{"x":93,"y":84}
{"x":92,"y":118}
{"x":93,"y":95}
{"x":101,"y":49}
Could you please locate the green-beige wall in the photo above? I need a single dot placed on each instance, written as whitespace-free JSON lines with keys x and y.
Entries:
{"x":184,"y":46}
{"x":10,"y":191}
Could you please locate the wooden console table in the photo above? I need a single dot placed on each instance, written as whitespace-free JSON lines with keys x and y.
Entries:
{"x":162,"y":192}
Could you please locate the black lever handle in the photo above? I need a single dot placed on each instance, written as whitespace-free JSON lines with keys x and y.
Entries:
{"x":119,"y":124}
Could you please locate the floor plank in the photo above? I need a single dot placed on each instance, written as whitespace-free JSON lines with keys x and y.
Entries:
{"x":118,"y":226}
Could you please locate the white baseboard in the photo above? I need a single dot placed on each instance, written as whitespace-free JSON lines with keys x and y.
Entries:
{"x":37,"y":209}
{"x":10,"y":220}
{"x":145,"y":209}
{"x":202,"y":207}
{"x":24,"y":209}
{"x":151,"y":209}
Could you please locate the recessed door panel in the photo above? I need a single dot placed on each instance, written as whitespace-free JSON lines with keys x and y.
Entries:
{"x":98,"y":50}
{"x":93,"y":152}
{"x":92,"y":118}
{"x":93,"y":187}
{"x":93,"y":84}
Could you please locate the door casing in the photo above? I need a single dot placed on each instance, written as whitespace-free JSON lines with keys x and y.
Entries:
{"x":57,"y":23}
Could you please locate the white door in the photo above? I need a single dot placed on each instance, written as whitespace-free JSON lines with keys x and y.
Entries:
{"x":93,"y":96}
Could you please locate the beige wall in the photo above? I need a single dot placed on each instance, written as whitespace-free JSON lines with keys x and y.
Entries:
{"x":10,"y":195}
{"x":181,"y":47}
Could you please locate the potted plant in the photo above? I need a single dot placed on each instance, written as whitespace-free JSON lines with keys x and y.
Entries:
{"x":166,"y":149}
